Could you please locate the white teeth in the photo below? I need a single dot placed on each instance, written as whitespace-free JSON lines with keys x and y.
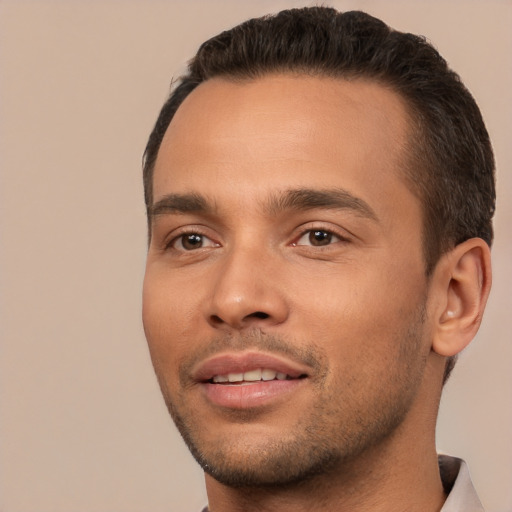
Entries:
{"x":268,"y":374}
{"x":251,"y":376}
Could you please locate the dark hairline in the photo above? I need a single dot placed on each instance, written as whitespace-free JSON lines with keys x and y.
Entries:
{"x":406,"y":163}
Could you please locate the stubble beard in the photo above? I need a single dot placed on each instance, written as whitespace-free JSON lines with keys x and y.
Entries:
{"x":324,"y":440}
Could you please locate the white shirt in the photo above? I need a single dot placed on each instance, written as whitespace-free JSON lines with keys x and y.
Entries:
{"x":457,"y":482}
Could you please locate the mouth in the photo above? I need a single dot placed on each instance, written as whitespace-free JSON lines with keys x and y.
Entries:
{"x":249,"y":380}
{"x":251,"y":376}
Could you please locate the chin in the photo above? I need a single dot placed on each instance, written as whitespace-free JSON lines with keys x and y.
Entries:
{"x":273,"y":465}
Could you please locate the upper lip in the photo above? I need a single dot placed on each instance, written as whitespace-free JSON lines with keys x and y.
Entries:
{"x":240,"y":362}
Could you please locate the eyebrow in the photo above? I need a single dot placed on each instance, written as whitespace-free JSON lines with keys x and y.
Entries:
{"x":301,"y":199}
{"x":181,"y":204}
{"x":310,"y":199}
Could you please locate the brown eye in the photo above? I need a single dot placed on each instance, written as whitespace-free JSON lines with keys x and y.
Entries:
{"x":319,"y":237}
{"x":192,"y":241}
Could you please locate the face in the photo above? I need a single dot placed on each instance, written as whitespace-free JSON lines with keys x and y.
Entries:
{"x":284,"y":297}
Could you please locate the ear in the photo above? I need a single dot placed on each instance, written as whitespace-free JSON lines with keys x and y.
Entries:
{"x":463,"y":281}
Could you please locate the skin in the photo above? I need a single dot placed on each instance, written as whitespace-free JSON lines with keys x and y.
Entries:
{"x":233,"y":269}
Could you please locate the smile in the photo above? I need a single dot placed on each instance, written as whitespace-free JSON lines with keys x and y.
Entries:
{"x":257,"y":375}
{"x":248,"y":380}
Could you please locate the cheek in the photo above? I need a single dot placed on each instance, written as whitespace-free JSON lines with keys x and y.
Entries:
{"x":168,"y":318}
{"x":363,"y":316}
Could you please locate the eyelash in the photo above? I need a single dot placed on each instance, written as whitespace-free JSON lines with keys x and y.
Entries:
{"x":188,"y":232}
{"x":329,"y":235}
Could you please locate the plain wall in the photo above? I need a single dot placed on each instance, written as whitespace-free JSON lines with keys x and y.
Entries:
{"x":82,"y":423}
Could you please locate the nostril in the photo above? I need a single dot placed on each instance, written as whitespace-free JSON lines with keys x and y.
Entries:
{"x":238,"y":321}
{"x":216,"y":319}
{"x":258,"y":314}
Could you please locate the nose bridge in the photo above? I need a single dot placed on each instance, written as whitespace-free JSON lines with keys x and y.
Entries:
{"x":247,"y":290}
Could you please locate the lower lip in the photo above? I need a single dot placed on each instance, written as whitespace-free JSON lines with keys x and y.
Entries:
{"x":251,"y":394}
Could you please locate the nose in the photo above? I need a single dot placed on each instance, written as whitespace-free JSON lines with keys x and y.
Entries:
{"x":247,"y":293}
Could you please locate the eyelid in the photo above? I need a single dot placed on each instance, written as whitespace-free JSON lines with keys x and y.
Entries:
{"x":206,"y":242}
{"x":176,"y":234}
{"x":342,"y":234}
{"x":335,"y":238}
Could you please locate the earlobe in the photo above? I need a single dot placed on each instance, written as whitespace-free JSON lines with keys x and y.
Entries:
{"x":463,"y":281}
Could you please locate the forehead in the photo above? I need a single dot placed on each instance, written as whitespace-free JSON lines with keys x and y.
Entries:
{"x":284,"y":131}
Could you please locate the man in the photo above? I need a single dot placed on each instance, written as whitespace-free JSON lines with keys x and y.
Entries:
{"x":319,"y":190}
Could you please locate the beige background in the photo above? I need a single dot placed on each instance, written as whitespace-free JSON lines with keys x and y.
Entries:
{"x":82,"y":424}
